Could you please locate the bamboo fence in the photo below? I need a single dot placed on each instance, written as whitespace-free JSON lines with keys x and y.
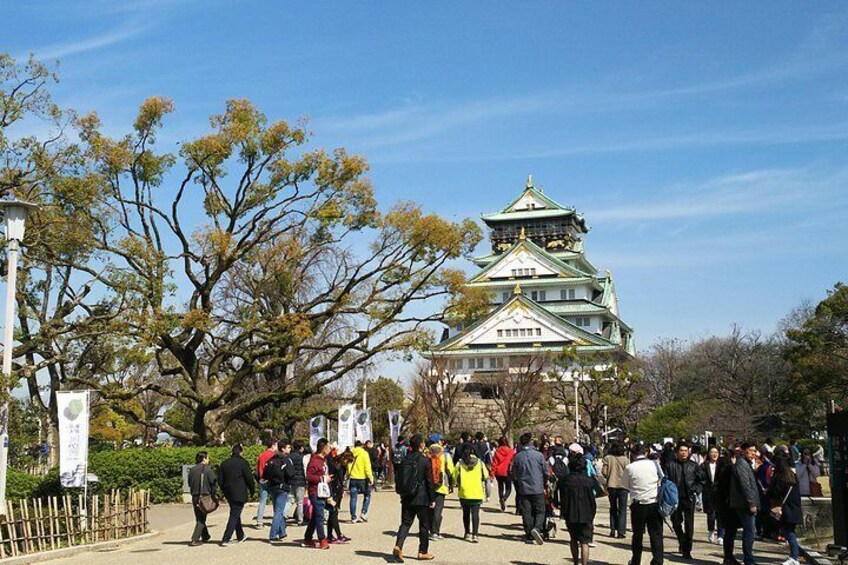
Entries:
{"x":35,"y":525}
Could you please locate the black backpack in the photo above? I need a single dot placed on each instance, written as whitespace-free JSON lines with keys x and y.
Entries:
{"x":274,"y":471}
{"x":398,"y":455}
{"x":406,"y":481}
{"x":560,"y":466}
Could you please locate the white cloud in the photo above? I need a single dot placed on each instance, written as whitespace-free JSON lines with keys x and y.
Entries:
{"x":69,"y":48}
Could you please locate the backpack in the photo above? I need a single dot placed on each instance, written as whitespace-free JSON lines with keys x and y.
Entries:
{"x":398,"y":455}
{"x":406,"y":483}
{"x":560,"y":466}
{"x":436,"y":471}
{"x":667,"y":497}
{"x":273,"y":472}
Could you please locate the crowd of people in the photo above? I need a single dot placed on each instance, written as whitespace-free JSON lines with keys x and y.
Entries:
{"x":741,"y":489}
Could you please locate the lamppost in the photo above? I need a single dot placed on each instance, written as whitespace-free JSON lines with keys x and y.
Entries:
{"x":15,"y":212}
{"x":363,"y":334}
{"x":576,"y":410}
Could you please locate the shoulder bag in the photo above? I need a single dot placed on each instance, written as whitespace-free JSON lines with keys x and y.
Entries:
{"x":777,"y":511}
{"x":206,"y":502}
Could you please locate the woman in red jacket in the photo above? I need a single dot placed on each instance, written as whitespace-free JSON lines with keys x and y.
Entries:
{"x":500,"y":470}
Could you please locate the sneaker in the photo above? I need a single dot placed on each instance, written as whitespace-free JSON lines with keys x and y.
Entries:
{"x":503,"y":505}
{"x":466,"y":537}
{"x":355,"y":521}
{"x":227,"y":543}
{"x":612,"y":533}
{"x":426,"y":557}
{"x":791,"y":561}
{"x":552,"y":531}
{"x":474,"y":539}
{"x":398,"y":553}
{"x":195,"y":543}
{"x":620,"y":536}
{"x":592,"y":544}
{"x":537,"y":537}
{"x":307,"y":543}
{"x":364,"y":517}
{"x":720,"y":541}
{"x":436,"y":537}
{"x":242,"y":540}
{"x":711,"y":538}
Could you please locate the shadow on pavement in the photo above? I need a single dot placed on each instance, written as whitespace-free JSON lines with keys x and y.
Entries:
{"x":387,"y":557}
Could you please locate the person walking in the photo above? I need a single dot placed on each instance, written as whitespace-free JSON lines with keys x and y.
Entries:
{"x":558,"y":462}
{"x":337,"y":468}
{"x":264,"y":457}
{"x":374,"y":456}
{"x":361,"y":477}
{"x":615,"y":462}
{"x":726,"y":516}
{"x":417,"y":496}
{"x":297,"y":493}
{"x":316,"y":472}
{"x":808,"y":473}
{"x":501,"y":461}
{"x":236,"y":479}
{"x":642,"y":479}
{"x":686,"y":474}
{"x":201,"y":480}
{"x":277,"y":473}
{"x":744,"y":498}
{"x":470,"y":476}
{"x":709,"y":469}
{"x":784,"y":494}
{"x":530,"y":471}
{"x":443,"y":473}
{"x":579,"y":508}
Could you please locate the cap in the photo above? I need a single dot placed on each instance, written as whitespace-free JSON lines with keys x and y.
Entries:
{"x":576,"y":448}
{"x":435,"y":438}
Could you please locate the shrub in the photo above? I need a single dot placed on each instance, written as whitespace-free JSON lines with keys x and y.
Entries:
{"x":20,"y":484}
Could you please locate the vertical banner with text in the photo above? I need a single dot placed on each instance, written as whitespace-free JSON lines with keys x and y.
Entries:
{"x":394,"y":427}
{"x":363,"y":425}
{"x":347,"y":414}
{"x":316,"y":430}
{"x":73,"y":412}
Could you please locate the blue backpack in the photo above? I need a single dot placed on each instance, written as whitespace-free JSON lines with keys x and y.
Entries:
{"x":667,"y":498}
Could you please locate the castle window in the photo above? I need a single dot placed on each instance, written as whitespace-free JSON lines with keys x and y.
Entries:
{"x":538,"y":332}
{"x":505,"y":296}
{"x":500,"y":333}
{"x":541,"y":295}
{"x":534,"y":295}
{"x":584,"y":322}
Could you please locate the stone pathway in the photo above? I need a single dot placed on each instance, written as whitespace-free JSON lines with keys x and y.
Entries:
{"x":372,"y":542}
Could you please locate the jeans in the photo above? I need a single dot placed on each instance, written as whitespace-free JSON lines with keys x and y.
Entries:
{"x":234,"y":522}
{"x":296,"y":497}
{"x":263,"y":500}
{"x":504,"y":488}
{"x":683,"y":523}
{"x":436,"y":514}
{"x":788,"y":531}
{"x":749,"y":530}
{"x":278,"y":526}
{"x":533,"y":513}
{"x":618,"y":510}
{"x":359,"y":486}
{"x":317,"y":521}
{"x":642,"y":515}
{"x":471,"y":516}
{"x":201,"y":532}
{"x":408,"y":514}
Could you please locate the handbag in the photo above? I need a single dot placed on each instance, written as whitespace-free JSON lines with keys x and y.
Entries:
{"x":777,"y":511}
{"x":206,"y":503}
{"x":323,"y":490}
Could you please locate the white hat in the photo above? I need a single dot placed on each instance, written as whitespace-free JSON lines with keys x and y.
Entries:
{"x":575,"y":447}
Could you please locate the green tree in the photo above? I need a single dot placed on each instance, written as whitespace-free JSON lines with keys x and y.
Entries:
{"x":671,"y":420}
{"x":384,"y":394}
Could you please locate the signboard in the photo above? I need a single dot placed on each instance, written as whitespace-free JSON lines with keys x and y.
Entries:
{"x":837,"y":433}
{"x":73,"y":437}
{"x":347,"y":414}
{"x":316,"y":431}
{"x":363,"y":425}
{"x":394,"y":426}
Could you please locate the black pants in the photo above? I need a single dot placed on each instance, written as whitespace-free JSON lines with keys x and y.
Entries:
{"x":234,"y":522}
{"x":504,"y":488}
{"x":408,"y":514}
{"x":533,"y":513}
{"x":471,"y":517}
{"x":201,"y":532}
{"x":642,"y":515}
{"x":683,"y":522}
{"x":618,"y":510}
{"x":436,"y":514}
{"x":334,"y":530}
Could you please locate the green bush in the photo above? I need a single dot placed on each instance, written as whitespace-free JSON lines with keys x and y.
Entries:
{"x":158,"y":470}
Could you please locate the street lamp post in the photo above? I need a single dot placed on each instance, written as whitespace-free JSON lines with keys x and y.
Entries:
{"x":576,"y":410}
{"x":15,"y":212}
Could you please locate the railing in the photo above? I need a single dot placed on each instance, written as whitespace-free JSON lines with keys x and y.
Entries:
{"x":35,"y":525}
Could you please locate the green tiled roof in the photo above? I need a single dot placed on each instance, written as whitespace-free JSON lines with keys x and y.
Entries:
{"x":538,"y":281}
{"x":526,"y":215}
{"x":544,"y":256}
{"x":574,"y":307}
{"x":514,"y":350}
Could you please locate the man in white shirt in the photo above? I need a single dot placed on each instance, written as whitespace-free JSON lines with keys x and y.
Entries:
{"x":642,"y":478}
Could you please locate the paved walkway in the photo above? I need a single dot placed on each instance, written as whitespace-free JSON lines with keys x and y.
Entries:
{"x":372,"y":542}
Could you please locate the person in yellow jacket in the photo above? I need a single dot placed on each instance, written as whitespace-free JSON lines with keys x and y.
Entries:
{"x":470,"y":476}
{"x":361,"y":478}
{"x":442,"y":468}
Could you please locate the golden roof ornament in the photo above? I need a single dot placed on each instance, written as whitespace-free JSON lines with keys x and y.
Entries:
{"x":522,"y":236}
{"x":517,"y":289}
{"x":609,"y":275}
{"x":529,"y":182}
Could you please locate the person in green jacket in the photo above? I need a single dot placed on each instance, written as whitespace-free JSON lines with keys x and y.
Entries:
{"x":470,"y":475}
{"x":361,"y":477}
{"x":443,"y":471}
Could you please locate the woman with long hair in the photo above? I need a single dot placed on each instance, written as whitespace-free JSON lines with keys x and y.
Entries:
{"x":337,"y":467}
{"x":613,"y":471}
{"x":470,"y":475}
{"x":711,"y":467}
{"x":500,"y":469}
{"x":785,"y":494}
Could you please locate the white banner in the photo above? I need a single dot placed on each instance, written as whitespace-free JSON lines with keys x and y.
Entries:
{"x":347,"y":414}
{"x":394,"y":426}
{"x":316,"y":430}
{"x":363,"y":425}
{"x":73,"y":437}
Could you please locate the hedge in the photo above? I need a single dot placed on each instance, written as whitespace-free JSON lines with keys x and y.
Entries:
{"x":158,"y":470}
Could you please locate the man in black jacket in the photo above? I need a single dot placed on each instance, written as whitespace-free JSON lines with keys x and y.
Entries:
{"x":236,"y":479}
{"x":298,"y":482}
{"x":417,"y":500}
{"x":201,"y":480}
{"x":278,"y":474}
{"x":744,"y":498}
{"x":689,"y":478}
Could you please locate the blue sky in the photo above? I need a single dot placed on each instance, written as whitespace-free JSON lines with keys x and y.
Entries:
{"x":705,"y":143}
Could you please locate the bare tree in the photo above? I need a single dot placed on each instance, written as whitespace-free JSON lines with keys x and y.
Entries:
{"x":519,"y":393}
{"x":664,"y":370}
{"x":435,"y":393}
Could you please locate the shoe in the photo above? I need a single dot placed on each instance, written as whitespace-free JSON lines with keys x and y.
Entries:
{"x":398,"y":553}
{"x":364,"y":517}
{"x":227,"y":543}
{"x":258,"y":525}
{"x":474,"y":539}
{"x":466,"y":537}
{"x":731,"y":561}
{"x":195,"y":543}
{"x":242,"y":540}
{"x":338,"y":541}
{"x":355,"y":521}
{"x":687,"y":556}
{"x":426,"y":556}
{"x":592,"y":544}
{"x":307,"y":543}
{"x":711,"y":538}
{"x":552,"y":532}
{"x":612,"y":533}
{"x":791,"y":561}
{"x":323,"y":544}
{"x":436,"y":537}
{"x":720,"y":541}
{"x":503,"y":505}
{"x":621,"y":536}
{"x":537,"y":537}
